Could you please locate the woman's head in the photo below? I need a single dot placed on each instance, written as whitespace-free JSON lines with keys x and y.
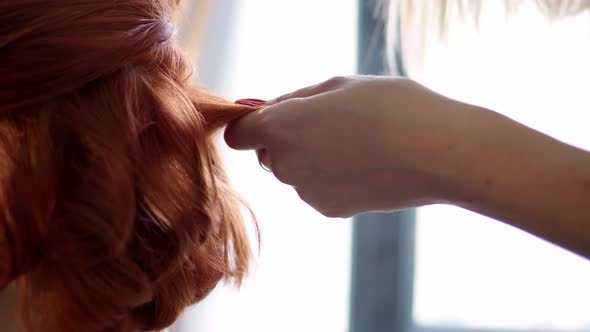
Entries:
{"x":116,"y":214}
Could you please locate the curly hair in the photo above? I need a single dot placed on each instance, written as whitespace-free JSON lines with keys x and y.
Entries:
{"x":116,"y":213}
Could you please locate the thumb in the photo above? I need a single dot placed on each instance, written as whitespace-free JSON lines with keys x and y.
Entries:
{"x":246,"y":133}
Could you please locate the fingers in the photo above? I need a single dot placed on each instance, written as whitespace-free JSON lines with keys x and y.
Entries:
{"x":257,"y":130}
{"x":252,"y":131}
{"x":313,"y":90}
{"x":247,"y":133}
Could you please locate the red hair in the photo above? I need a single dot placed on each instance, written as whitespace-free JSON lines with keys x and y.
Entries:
{"x":116,"y":213}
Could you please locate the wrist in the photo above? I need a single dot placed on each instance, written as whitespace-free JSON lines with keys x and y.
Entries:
{"x":463,"y":163}
{"x":497,"y":161}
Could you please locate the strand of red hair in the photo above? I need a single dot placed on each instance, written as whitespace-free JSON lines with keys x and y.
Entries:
{"x":116,"y":212}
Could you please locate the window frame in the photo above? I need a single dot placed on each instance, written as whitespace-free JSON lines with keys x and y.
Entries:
{"x":383,"y":245}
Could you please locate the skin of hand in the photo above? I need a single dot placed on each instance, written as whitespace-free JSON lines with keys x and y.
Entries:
{"x":356,"y":144}
{"x":363,"y":143}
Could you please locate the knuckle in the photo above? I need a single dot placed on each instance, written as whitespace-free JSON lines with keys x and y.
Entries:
{"x":316,"y":202}
{"x":284,"y":97}
{"x":337,"y":80}
{"x":301,"y":93}
{"x":283,"y":109}
{"x":282,"y":174}
{"x":303,"y":195}
{"x":293,"y":103}
{"x":319,"y":199}
{"x":329,"y":213}
{"x":312,"y":201}
{"x":346,"y":215}
{"x":330,"y":84}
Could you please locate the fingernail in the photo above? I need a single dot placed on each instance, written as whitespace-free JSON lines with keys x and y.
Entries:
{"x":251,"y":102}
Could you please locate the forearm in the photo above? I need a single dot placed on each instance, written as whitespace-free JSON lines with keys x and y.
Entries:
{"x":526,"y":179}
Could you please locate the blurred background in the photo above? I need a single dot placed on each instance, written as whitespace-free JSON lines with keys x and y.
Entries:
{"x":437,"y":268}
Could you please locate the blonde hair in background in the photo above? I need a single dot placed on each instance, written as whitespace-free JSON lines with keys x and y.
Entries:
{"x":421,"y":20}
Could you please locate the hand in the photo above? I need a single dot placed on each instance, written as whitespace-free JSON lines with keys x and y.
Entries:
{"x":357,"y":144}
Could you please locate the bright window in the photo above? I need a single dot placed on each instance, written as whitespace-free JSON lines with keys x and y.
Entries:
{"x":474,"y":272}
{"x":303,"y":274}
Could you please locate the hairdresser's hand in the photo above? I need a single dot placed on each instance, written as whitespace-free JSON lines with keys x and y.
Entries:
{"x":359,"y":144}
{"x":356,"y":144}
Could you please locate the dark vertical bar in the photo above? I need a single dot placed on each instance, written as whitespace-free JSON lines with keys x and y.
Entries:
{"x":383,"y":243}
{"x":371,"y":40}
{"x":382,"y":280}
